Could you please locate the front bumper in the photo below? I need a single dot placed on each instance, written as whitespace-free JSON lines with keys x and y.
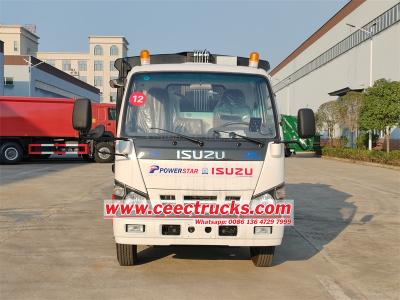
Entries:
{"x":153,"y":235}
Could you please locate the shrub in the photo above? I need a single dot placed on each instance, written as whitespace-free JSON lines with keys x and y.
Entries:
{"x":391,"y":158}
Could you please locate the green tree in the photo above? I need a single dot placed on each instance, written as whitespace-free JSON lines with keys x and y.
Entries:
{"x":380,"y":107}
{"x":349,"y":109}
{"x":328,"y":116}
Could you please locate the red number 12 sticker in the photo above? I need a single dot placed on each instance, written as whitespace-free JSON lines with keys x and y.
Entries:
{"x":137,"y":99}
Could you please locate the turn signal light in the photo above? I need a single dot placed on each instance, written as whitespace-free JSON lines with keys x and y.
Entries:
{"x":253,"y":59}
{"x":145,"y":57}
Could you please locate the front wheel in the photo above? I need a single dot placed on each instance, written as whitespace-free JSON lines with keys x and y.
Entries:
{"x":104,"y":152}
{"x":262,"y":256}
{"x":11,"y":153}
{"x":126,"y":254}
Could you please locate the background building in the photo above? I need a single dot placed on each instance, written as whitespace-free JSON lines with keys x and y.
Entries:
{"x":336,"y":58}
{"x":19,"y":40}
{"x":1,"y":68}
{"x":29,"y":76}
{"x":95,"y":67}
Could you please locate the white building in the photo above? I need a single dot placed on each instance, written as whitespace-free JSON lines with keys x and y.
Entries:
{"x":336,"y":58}
{"x":19,"y":40}
{"x":95,"y":67}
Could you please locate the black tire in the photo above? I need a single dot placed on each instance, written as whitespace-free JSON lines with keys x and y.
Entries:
{"x":11,"y":153}
{"x":87,"y":158}
{"x":101,"y":157}
{"x":288,"y":153}
{"x":262,"y":256}
{"x":126,"y":254}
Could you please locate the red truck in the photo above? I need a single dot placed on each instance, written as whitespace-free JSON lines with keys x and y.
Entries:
{"x":40,"y":127}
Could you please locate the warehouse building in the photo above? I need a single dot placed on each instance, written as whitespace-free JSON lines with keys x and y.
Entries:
{"x":29,"y":76}
{"x":358,"y":45}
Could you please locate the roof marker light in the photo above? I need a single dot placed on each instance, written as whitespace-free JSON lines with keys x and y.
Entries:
{"x":253,"y":59}
{"x":145,"y":57}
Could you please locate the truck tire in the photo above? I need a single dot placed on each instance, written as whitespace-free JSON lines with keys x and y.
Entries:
{"x":126,"y":254}
{"x":11,"y":153}
{"x":87,"y":158}
{"x":262,"y":256}
{"x":288,"y":153}
{"x":101,"y":157}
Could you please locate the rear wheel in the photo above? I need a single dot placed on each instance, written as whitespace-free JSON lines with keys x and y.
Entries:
{"x":104,"y":152}
{"x":126,"y":254}
{"x":262,"y":256}
{"x":11,"y":153}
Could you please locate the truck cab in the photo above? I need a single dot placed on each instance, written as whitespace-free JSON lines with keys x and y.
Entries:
{"x":197,"y":127}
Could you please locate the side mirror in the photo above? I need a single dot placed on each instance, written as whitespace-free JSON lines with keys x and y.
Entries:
{"x":117,"y":83}
{"x":305,"y":123}
{"x":82,"y":115}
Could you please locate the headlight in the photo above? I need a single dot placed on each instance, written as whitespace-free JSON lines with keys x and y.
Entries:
{"x":264,"y":199}
{"x":135,"y":197}
{"x":268,"y":196}
{"x":118,"y":192}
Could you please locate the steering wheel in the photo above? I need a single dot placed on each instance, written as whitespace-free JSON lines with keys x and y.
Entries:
{"x":211,"y":130}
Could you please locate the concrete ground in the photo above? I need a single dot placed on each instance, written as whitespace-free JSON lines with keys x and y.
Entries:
{"x":54,"y":242}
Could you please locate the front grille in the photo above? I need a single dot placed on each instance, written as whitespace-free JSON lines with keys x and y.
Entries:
{"x":200,"y":198}
{"x":232,"y":198}
{"x":167,"y":197}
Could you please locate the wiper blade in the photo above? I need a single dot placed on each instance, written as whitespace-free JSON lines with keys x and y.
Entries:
{"x":233,"y":134}
{"x":199,"y":142}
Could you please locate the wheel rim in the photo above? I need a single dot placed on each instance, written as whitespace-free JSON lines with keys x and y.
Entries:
{"x":11,"y":153}
{"x":102,"y":155}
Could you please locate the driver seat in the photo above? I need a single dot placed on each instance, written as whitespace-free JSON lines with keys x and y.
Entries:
{"x":231,"y":108}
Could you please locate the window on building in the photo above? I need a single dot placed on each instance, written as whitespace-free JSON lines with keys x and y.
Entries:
{"x":82,"y":65}
{"x":98,"y":65}
{"x":112,"y":68}
{"x":113,"y":98}
{"x":98,"y":50}
{"x":66,"y":65}
{"x":8,"y":81}
{"x":51,"y":62}
{"x":113,"y":50}
{"x":16,"y":46}
{"x":83,"y":78}
{"x":98,"y":80}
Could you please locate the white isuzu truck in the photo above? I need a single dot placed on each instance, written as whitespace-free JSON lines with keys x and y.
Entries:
{"x":196,"y":126}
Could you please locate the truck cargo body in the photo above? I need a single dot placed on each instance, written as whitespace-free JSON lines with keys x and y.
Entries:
{"x":32,"y":126}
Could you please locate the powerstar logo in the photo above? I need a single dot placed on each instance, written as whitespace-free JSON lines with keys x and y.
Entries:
{"x":171,"y":170}
{"x":153,"y":169}
{"x":200,"y":154}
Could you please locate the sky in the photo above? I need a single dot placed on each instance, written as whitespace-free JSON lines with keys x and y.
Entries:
{"x":273,"y":28}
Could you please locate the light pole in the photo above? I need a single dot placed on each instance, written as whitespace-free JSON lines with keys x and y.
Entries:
{"x":370,"y":34}
{"x":30,"y":67}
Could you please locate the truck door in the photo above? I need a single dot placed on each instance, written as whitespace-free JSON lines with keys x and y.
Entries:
{"x":111,"y":120}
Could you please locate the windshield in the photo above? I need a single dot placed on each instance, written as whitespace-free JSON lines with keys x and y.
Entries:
{"x":199,"y":105}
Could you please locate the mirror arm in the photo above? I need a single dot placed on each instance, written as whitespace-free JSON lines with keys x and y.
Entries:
{"x":291,"y":142}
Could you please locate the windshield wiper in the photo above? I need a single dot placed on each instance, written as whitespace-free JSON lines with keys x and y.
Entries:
{"x":199,"y":142}
{"x":233,"y":134}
